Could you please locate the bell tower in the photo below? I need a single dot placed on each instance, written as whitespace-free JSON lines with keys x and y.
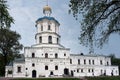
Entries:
{"x":47,"y":28}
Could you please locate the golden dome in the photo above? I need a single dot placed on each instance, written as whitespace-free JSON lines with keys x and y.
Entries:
{"x":47,"y":8}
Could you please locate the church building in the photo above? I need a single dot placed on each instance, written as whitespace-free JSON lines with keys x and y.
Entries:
{"x":48,"y":58}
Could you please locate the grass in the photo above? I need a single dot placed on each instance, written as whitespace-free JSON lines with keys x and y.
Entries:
{"x":88,"y":78}
{"x":46,"y":79}
{"x":104,"y":78}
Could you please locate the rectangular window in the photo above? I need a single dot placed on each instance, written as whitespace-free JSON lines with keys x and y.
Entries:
{"x":46,"y":67}
{"x":19,"y":69}
{"x":56,"y":67}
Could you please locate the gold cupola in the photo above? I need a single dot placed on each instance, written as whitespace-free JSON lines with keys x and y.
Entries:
{"x":47,"y":10}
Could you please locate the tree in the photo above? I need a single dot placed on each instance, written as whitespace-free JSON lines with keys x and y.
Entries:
{"x":5,"y":18}
{"x":9,"y":40}
{"x":115,"y":61}
{"x":9,"y":45}
{"x":101,"y":19}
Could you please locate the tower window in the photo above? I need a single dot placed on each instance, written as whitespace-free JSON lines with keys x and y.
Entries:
{"x":89,"y":70}
{"x":40,"y":39}
{"x":33,"y":55}
{"x":70,"y":61}
{"x":107,"y":63}
{"x":57,"y":40}
{"x":93,"y":62}
{"x":56,"y":55}
{"x":19,"y":69}
{"x":56,"y":67}
{"x":41,"y":27}
{"x":81,"y":70}
{"x":84,"y":61}
{"x":49,"y":27}
{"x":46,"y":67}
{"x":79,"y":61}
{"x":78,"y":70}
{"x":89,"y":61}
{"x":64,"y":54}
{"x":101,"y":62}
{"x":50,"y":39}
{"x":46,"y":55}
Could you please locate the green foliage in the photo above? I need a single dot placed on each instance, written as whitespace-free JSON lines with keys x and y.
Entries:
{"x":9,"y":40}
{"x":104,"y":78}
{"x":9,"y":46}
{"x":88,"y":78}
{"x":5,"y":18}
{"x":101,"y":18}
{"x":115,"y":61}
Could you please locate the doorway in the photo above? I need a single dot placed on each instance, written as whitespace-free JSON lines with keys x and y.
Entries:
{"x":66,"y":71}
{"x":34,"y":73}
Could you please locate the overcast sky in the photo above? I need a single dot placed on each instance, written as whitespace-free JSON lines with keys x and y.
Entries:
{"x":26,"y":12}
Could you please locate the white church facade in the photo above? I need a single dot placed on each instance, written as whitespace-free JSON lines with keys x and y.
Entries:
{"x":48,"y":58}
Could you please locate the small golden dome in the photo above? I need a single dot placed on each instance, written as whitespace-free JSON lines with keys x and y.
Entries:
{"x":47,"y":8}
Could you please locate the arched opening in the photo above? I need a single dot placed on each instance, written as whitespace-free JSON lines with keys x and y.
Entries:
{"x":72,"y":73}
{"x":33,"y":55}
{"x":40,"y":39}
{"x":51,"y":73}
{"x":79,"y":61}
{"x":66,"y":71}
{"x":56,"y":55}
{"x":41,"y":27}
{"x":70,"y":61}
{"x":57,"y":40}
{"x":46,"y":55}
{"x":50,"y":39}
{"x":34,"y":73}
{"x":49,"y":27}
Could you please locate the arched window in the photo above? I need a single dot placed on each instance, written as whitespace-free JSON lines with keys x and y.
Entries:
{"x":107,"y":63}
{"x":84,"y":61}
{"x":70,"y":61}
{"x":57,"y":40}
{"x":56,"y":55}
{"x":46,"y":55}
{"x":33,"y":55}
{"x":50,"y":39}
{"x":78,"y":61}
{"x":49,"y":27}
{"x":41,"y":27}
{"x":40,"y":39}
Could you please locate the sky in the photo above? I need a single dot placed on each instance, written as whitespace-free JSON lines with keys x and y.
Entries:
{"x":26,"y":12}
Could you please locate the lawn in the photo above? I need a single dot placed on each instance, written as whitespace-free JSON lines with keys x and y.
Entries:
{"x":87,"y":78}
{"x":46,"y":79}
{"x":104,"y":78}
